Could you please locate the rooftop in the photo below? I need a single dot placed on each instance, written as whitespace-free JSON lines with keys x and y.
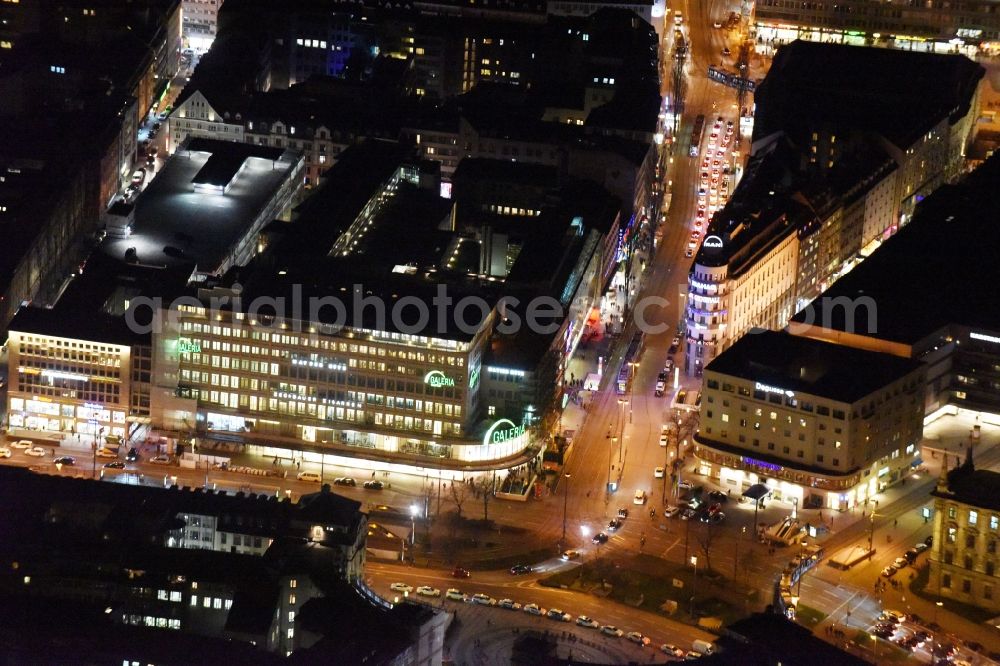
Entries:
{"x":177,"y":222}
{"x":953,"y":233}
{"x":893,"y":93}
{"x":805,"y":365}
{"x":978,"y":487}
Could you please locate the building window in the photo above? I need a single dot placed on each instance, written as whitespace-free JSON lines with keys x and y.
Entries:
{"x":952,"y":512}
{"x":966,"y":586}
{"x":946,"y":580}
{"x":951,"y":534}
{"x":194,"y":599}
{"x":994,"y":522}
{"x":973,"y":517}
{"x":987,"y":591}
{"x":970,"y":540}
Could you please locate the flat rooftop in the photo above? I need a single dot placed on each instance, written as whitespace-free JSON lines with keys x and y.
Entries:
{"x":805,"y":365}
{"x":933,"y":273}
{"x":176,"y":223}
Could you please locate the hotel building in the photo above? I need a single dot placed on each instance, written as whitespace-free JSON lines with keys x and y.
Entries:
{"x":824,"y":185}
{"x":820,"y":424}
{"x":963,"y":558}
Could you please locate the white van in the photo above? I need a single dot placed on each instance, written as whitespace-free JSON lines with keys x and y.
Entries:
{"x":311,"y":477}
{"x":703,"y":647}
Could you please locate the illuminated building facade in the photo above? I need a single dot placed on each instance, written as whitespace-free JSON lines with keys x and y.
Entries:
{"x":821,"y":424}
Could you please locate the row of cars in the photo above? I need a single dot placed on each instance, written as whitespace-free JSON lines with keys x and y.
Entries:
{"x":696,"y":505}
{"x":714,"y":182}
{"x":29,"y":448}
{"x":893,"y":626}
{"x":557,"y":614}
{"x":909,"y":557}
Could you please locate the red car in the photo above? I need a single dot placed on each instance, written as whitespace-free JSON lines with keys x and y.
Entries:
{"x":459,"y":572}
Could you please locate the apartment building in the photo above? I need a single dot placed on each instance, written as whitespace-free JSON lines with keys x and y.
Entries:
{"x":201,"y":21}
{"x":821,"y":424}
{"x":963,"y":558}
{"x":826,"y":183}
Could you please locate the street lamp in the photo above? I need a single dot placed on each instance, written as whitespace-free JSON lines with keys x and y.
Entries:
{"x":565,"y":504}
{"x":584,"y":531}
{"x":694,"y":586}
{"x":414,"y":510}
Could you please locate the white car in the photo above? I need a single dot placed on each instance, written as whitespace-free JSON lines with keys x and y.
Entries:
{"x":428,"y":591}
{"x":612,"y":630}
{"x":663,"y":439}
{"x":672,"y":649}
{"x":557,"y":614}
{"x":21,"y":444}
{"x":658,"y":473}
{"x":105,"y":452}
{"x":36,"y":452}
{"x":639,"y":497}
{"x":401,"y":587}
{"x":509,"y":604}
{"x":160,"y":460}
{"x":638,"y":638}
{"x":533,"y":609}
{"x":483,"y":599}
{"x":454,"y":595}
{"x":588,"y":622}
{"x":4,"y":452}
{"x":671,"y":511}
{"x":571,"y":554}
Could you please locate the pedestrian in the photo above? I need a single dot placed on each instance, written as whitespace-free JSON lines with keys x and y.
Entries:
{"x":895,"y":521}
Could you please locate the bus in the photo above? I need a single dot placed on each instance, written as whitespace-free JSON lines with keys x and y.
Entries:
{"x":696,"y":131}
{"x":632,"y":355}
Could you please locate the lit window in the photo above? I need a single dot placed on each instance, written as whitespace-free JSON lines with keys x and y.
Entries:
{"x":994,"y":522}
{"x":207,"y":602}
{"x":194,"y":599}
{"x":217,"y":603}
{"x":291,"y":632}
{"x":176,"y":597}
{"x":293,"y":584}
{"x":973,"y":517}
{"x":291,"y":599}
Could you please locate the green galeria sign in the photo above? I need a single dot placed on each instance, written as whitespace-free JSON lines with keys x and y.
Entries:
{"x":437,"y":379}
{"x":502,"y":431}
{"x":186,"y":346}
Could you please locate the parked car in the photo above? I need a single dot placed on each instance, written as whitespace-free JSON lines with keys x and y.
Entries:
{"x":533,"y":609}
{"x":105,"y":452}
{"x":663,"y":439}
{"x":889,"y":572}
{"x":557,"y":614}
{"x":637,"y":638}
{"x":588,"y":622}
{"x":310,"y":477}
{"x":454,"y":594}
{"x":658,"y":473}
{"x":428,"y":591}
{"x":401,"y":587}
{"x":36,"y":452}
{"x":612,"y":630}
{"x":921,"y":547}
{"x":117,"y":464}
{"x":459,"y":572}
{"x":614,"y":524}
{"x":672,"y":649}
{"x":64,"y":460}
{"x":718,"y":496}
{"x":685,"y":485}
{"x":671,"y":511}
{"x":509,"y":604}
{"x":21,"y":444}
{"x":374,"y":485}
{"x":344,"y":481}
{"x":911,"y":555}
{"x":623,"y":513}
{"x":132,"y":455}
{"x":483,"y":599}
{"x":639,"y":497}
{"x":519,"y":569}
{"x":4,"y":452}
{"x":600,"y":538}
{"x":160,"y":460}
{"x":138,"y":177}
{"x":900,"y":562}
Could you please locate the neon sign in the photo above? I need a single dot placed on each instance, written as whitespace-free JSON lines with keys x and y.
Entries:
{"x":984,"y":337}
{"x":713,"y":242}
{"x":502,"y":431}
{"x":762,"y":464}
{"x":772,"y":389}
{"x":437,"y":379}
{"x":186,"y":346}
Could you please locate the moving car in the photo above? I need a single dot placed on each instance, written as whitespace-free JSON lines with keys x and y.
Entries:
{"x":533,"y":609}
{"x":685,"y":485}
{"x":160,"y":460}
{"x":639,"y":497}
{"x":21,"y":444}
{"x":672,"y":649}
{"x":557,"y":614}
{"x":132,"y":455}
{"x":636,"y":637}
{"x":614,"y":524}
{"x":401,"y":587}
{"x":374,"y":485}
{"x":663,"y":439}
{"x":600,"y":538}
{"x":571,"y":554}
{"x":612,"y":630}
{"x":428,"y":591}
{"x":483,"y":599}
{"x":344,"y":481}
{"x":889,"y":572}
{"x":688,"y":513}
{"x":509,"y":604}
{"x":64,"y":460}
{"x":454,"y":594}
{"x":893,"y":616}
{"x":459,"y":572}
{"x":311,"y":477}
{"x":36,"y":452}
{"x":519,"y":569}
{"x":117,"y":464}
{"x":588,"y":622}
{"x":658,"y":473}
{"x":5,"y":452}
{"x":623,"y":513}
{"x":105,"y":452}
{"x":671,"y":511}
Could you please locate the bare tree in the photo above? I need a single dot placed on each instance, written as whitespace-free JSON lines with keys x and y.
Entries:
{"x":485,"y":487}
{"x":706,"y":538}
{"x":459,"y":491}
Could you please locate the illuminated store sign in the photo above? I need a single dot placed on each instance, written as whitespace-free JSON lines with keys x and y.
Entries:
{"x":761,"y":463}
{"x":186,"y":346}
{"x":713,"y":242}
{"x":56,"y":374}
{"x":502,"y":431}
{"x":437,"y":379}
{"x":985,"y":338}
{"x":772,"y":389}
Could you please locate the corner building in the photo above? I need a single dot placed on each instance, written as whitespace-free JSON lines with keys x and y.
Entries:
{"x":824,"y":424}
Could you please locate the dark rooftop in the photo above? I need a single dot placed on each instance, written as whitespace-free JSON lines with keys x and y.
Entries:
{"x":805,"y":365}
{"x":770,"y":639}
{"x":978,"y":487}
{"x":931,"y":273}
{"x":894,"y":93}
